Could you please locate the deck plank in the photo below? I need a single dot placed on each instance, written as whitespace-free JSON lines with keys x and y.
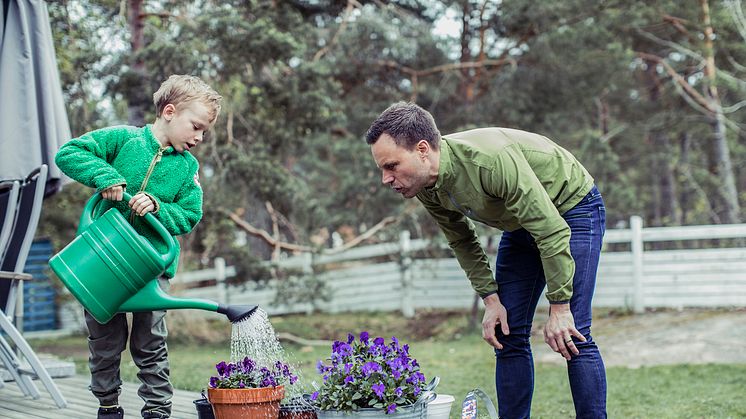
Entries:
{"x":80,"y":401}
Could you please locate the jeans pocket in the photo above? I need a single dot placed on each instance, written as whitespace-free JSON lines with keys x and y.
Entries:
{"x":571,"y":215}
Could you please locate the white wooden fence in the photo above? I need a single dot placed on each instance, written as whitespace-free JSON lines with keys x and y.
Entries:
{"x":634,"y":278}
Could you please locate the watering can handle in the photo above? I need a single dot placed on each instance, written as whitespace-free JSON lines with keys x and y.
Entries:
{"x":87,"y":218}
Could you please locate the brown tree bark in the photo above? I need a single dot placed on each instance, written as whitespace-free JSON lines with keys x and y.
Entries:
{"x":666,"y":210}
{"x":720,"y":164}
{"x":136,"y":89}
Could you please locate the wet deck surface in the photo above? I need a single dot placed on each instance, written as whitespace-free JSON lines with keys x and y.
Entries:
{"x":80,"y":402}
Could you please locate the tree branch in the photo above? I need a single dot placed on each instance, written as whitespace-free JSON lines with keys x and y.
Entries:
{"x":673,"y":45}
{"x":678,"y":24}
{"x":357,"y":240}
{"x":240,"y":222}
{"x":738,"y":17}
{"x":279,"y":244}
{"x":351,"y":4}
{"x":690,"y":91}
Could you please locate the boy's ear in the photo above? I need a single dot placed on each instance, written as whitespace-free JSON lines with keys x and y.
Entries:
{"x":168,"y":111}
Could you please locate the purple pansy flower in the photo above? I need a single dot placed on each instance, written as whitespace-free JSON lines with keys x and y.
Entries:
{"x":370,"y":367}
{"x":358,"y":374}
{"x":244,"y":374}
{"x":221,"y":367}
{"x":378,"y":389}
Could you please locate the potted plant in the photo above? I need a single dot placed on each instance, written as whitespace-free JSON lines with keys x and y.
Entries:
{"x":368,"y":378}
{"x":245,"y":390}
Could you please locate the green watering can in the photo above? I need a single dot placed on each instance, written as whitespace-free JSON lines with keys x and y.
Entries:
{"x":110,"y":268}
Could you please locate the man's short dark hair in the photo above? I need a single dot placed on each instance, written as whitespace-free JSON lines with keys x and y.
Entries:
{"x":407,"y":124}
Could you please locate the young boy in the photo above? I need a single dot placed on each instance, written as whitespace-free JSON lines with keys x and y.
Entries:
{"x":154,"y":165}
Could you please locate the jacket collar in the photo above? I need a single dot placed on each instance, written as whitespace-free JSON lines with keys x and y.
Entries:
{"x":445,"y":168}
{"x":153,"y":142}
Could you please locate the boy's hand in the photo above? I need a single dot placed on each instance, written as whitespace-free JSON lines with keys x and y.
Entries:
{"x":113,"y":193}
{"x":141,"y":204}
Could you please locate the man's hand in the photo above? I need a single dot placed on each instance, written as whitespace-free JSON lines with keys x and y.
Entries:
{"x":113,"y":193}
{"x":494,"y":314}
{"x":560,"y":329}
{"x":141,"y":204}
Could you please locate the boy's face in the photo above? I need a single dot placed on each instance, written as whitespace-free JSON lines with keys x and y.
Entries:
{"x":186,"y":125}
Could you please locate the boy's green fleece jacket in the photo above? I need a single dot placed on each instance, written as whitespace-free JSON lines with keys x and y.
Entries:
{"x":123,"y":155}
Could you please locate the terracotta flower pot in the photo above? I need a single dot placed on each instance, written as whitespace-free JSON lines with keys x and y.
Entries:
{"x":248,"y":403}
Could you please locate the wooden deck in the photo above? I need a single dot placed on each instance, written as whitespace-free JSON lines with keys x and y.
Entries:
{"x":80,"y":401}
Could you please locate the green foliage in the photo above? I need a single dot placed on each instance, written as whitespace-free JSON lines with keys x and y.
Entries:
{"x":369,"y":373}
{"x":295,"y":288}
{"x":303,"y":80}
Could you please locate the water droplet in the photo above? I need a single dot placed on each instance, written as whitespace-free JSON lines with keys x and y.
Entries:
{"x":254,"y":337}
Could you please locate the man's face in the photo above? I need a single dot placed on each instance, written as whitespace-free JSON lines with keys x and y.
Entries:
{"x":187,"y":125}
{"x":406,"y":171}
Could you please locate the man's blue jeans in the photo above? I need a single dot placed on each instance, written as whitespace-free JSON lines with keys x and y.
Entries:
{"x":520,"y":280}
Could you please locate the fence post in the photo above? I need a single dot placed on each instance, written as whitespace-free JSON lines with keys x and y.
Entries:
{"x":308,"y":271}
{"x":407,"y":308}
{"x":220,"y":278}
{"x":635,"y":223}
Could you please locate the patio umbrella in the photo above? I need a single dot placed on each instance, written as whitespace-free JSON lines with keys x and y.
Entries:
{"x":32,"y":113}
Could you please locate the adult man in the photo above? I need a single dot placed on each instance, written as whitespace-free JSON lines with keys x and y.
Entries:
{"x":553,"y":220}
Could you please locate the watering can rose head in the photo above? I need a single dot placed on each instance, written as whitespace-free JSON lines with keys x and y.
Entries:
{"x":247,"y":374}
{"x":369,"y":373}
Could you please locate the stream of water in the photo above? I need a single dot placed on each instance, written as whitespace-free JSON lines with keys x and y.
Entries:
{"x":254,"y":337}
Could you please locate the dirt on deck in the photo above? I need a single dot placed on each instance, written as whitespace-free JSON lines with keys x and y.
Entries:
{"x":662,"y":338}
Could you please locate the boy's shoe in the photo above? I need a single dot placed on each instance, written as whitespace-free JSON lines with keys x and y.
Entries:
{"x":153,"y":415}
{"x":113,"y":412}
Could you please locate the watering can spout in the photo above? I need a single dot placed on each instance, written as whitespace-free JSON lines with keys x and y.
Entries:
{"x":152,"y":297}
{"x":236,"y":313}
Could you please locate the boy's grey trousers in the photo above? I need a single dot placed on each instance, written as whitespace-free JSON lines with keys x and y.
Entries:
{"x":106,"y":342}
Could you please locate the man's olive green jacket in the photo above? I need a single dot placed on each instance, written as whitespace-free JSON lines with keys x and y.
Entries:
{"x":507,"y":179}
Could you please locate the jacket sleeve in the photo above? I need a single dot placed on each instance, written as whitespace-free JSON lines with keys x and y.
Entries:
{"x":513,"y":180}
{"x":181,"y":215}
{"x":463,"y":240}
{"x":86,"y":158}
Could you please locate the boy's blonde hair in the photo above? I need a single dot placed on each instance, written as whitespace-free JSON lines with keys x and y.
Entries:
{"x":179,"y":90}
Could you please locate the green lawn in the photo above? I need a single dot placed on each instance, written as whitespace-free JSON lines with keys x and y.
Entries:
{"x":463,"y":362}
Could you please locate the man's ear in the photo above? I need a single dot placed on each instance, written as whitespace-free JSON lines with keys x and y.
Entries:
{"x":168,"y":111}
{"x":423,"y":147}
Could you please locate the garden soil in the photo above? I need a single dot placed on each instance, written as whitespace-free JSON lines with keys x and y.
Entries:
{"x":661,"y":338}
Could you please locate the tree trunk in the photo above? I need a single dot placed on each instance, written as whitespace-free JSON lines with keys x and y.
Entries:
{"x":466,"y":88}
{"x":667,"y":205}
{"x":686,"y":193}
{"x":720,"y":165}
{"x":136,"y":90}
{"x":666,"y":208}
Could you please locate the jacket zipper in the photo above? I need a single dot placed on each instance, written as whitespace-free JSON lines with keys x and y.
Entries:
{"x":145,"y":181}
{"x":466,"y":211}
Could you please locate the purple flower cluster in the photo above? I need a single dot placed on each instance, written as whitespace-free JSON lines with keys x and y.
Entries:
{"x":246,"y":374}
{"x":369,"y":374}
